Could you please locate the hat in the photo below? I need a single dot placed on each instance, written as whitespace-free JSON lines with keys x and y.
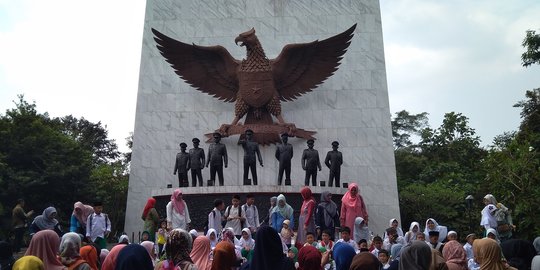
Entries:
{"x":195,"y":140}
{"x":434,"y":233}
{"x":335,"y":143}
{"x":286,"y":222}
{"x":97,"y":203}
{"x":470,"y":235}
{"x":183,"y":144}
{"x":452,"y":232}
{"x":310,"y":141}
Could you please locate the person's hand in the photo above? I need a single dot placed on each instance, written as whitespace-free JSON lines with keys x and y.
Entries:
{"x":325,"y":258}
{"x":31,"y":212}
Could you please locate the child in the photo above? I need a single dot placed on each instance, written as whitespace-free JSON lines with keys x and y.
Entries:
{"x":421,"y":236}
{"x":452,"y":235}
{"x":286,"y":233}
{"x":162,"y":235}
{"x":384,"y":258}
{"x":468,"y":246}
{"x":293,"y":254}
{"x":247,"y":244}
{"x":346,"y":238}
{"x":362,"y":245}
{"x":310,"y":239}
{"x":145,"y":236}
{"x":326,"y":242}
{"x":377,"y":245}
{"x":98,"y":226}
{"x":213,"y":236}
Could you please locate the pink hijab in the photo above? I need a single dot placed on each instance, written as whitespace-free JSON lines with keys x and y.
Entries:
{"x":177,"y":204}
{"x":44,"y":245}
{"x":455,"y":256}
{"x":110,"y":261}
{"x":86,"y":210}
{"x":353,"y":201}
{"x":200,"y":254}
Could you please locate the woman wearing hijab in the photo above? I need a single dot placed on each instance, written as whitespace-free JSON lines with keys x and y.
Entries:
{"x":309,"y":258}
{"x":110,"y":261}
{"x":487,"y":253}
{"x":178,"y":248}
{"x":6,"y":256}
{"x":247,"y":244}
{"x":306,"y":223}
{"x":151,"y":249}
{"x":281,"y":212}
{"x":502,"y":217}
{"x":89,"y":254}
{"x":518,"y":253}
{"x":365,"y":261}
{"x":28,"y":263}
{"x":69,"y":252}
{"x":44,"y":245}
{"x":327,"y":216}
{"x":151,"y":218}
{"x":361,"y":230}
{"x":177,"y":212}
{"x":395,"y":255}
{"x":352,"y":206}
{"x":46,"y":221}
{"x":268,"y":253}
{"x":413,"y":231}
{"x":432,"y":225}
{"x":343,"y":255}
{"x":492,"y":233}
{"x":201,"y":253}
{"x":133,"y":257}
{"x":224,"y":256}
{"x":79,"y":216}
{"x":212,"y":235}
{"x":455,"y":256}
{"x":416,"y":256}
{"x":437,"y":261}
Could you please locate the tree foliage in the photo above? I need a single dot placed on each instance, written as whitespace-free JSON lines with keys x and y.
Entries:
{"x":531,"y":43}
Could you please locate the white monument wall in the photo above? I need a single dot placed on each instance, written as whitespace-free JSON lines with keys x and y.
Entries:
{"x":350,"y":107}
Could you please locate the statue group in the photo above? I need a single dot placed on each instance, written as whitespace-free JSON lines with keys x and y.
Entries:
{"x":195,"y":161}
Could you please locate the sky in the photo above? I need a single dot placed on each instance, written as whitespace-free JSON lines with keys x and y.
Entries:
{"x":82,"y":58}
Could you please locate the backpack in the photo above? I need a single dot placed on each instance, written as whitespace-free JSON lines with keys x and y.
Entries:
{"x":206,"y":225}
{"x":228,"y":211}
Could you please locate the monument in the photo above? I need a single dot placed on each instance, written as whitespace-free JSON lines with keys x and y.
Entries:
{"x":351,"y":106}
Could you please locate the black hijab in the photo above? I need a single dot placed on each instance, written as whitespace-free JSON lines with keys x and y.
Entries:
{"x":268,"y":252}
{"x":519,"y":253}
{"x":134,"y":257}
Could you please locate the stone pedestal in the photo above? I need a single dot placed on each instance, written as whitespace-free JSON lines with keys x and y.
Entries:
{"x":350,"y":107}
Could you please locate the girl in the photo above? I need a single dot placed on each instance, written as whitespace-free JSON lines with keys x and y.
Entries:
{"x":247,"y":244}
{"x":162,"y":235}
{"x":286,"y":233}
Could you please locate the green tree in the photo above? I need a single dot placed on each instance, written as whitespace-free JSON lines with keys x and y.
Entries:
{"x":406,"y":125}
{"x":531,"y":43}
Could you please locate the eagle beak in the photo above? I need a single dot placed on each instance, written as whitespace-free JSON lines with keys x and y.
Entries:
{"x":239,"y":39}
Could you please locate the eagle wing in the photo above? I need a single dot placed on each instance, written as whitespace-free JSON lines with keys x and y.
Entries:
{"x":211,"y":69}
{"x":300,"y":68}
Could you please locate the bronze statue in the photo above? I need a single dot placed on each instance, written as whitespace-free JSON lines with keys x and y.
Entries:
{"x":182,"y":166}
{"x":284,"y":154}
{"x":251,"y":148}
{"x":310,"y":163}
{"x":333,"y":161}
{"x":217,"y":157}
{"x":257,"y":84}
{"x":196,"y":163}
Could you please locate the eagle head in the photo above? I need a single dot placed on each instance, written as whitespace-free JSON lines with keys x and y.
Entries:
{"x":248,"y":39}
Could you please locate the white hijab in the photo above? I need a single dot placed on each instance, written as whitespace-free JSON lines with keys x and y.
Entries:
{"x":487,"y":216}
{"x":361,"y":231}
{"x":247,"y":243}
{"x":443,"y":231}
{"x":214,"y":242}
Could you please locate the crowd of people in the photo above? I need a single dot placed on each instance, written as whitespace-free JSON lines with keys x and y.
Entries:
{"x":235,"y":237}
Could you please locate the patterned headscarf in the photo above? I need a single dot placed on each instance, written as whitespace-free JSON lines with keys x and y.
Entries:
{"x":179,"y":246}
{"x":69,"y":248}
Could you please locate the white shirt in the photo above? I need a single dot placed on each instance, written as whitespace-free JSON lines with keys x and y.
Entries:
{"x":252,"y":217}
{"x":176,"y":219}
{"x":388,"y":245}
{"x":236,"y":224}
{"x":469,"y":251}
{"x":350,"y":242}
{"x":214,"y":220}
{"x":98,"y":227}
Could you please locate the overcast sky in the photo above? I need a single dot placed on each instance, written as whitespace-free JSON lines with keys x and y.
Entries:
{"x":82,"y":58}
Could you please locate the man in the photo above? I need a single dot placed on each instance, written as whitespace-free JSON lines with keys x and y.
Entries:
{"x":217,"y":157}
{"x":251,"y":212}
{"x":310,"y":163}
{"x":434,"y":241}
{"x":284,"y":154}
{"x":182,"y":166}
{"x":98,"y":226}
{"x":333,"y":161}
{"x":19,"y":218}
{"x":251,"y":152}
{"x":196,"y":162}
{"x":235,"y":216}
{"x":215,"y":218}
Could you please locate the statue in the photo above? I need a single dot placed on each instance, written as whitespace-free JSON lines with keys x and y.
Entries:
{"x":251,"y":149}
{"x":196,"y":163}
{"x":284,"y":154}
{"x":310,"y":163}
{"x":257,"y":84}
{"x":217,"y":156}
{"x":182,"y":166}
{"x":333,"y":161}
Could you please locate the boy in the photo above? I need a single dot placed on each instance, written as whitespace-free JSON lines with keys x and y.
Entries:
{"x":392,"y":239}
{"x":377,"y":245}
{"x":468,"y":246}
{"x":434,"y":241}
{"x":452,"y":235}
{"x":346,"y":238}
{"x":362,"y":245}
{"x":384,"y":258}
{"x":98,"y":226}
{"x":235,"y":216}
{"x":310,"y":239}
{"x":421,"y":236}
{"x":252,"y":214}
{"x":214,"y":217}
{"x":326,"y":242}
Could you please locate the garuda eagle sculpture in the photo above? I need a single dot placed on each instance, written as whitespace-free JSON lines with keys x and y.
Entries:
{"x":257,"y":84}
